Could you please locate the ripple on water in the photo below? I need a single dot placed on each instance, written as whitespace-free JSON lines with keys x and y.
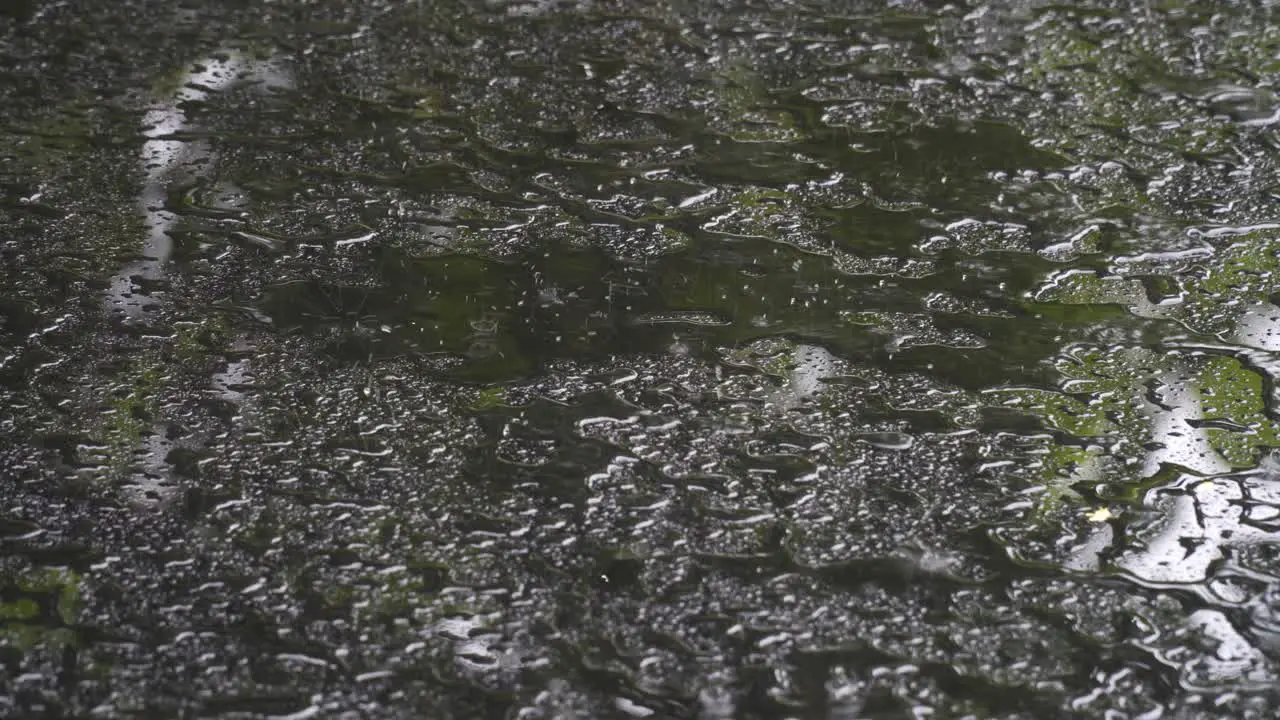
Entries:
{"x":588,"y":361}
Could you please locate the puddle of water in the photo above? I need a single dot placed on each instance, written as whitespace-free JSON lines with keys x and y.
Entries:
{"x":719,"y":360}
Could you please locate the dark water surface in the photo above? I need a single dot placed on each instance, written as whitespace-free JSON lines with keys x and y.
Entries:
{"x":728,"y":359}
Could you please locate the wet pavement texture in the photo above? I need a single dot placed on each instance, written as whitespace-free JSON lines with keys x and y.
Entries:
{"x":728,"y":359}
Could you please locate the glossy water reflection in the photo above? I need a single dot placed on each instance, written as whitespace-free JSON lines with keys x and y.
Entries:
{"x":728,"y":359}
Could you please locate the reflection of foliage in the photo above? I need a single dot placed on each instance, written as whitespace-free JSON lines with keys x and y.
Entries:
{"x":1233,"y":401}
{"x":741,"y":101}
{"x":134,"y":407}
{"x":1245,"y":272}
{"x":1100,"y":71}
{"x":128,"y":418}
{"x":194,"y":341}
{"x":1096,"y":413}
{"x":1100,"y":408}
{"x":1212,"y":290}
{"x":39,"y":608}
{"x":489,"y":399}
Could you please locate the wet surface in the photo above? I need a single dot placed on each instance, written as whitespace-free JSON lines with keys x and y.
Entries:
{"x":558,"y":360}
